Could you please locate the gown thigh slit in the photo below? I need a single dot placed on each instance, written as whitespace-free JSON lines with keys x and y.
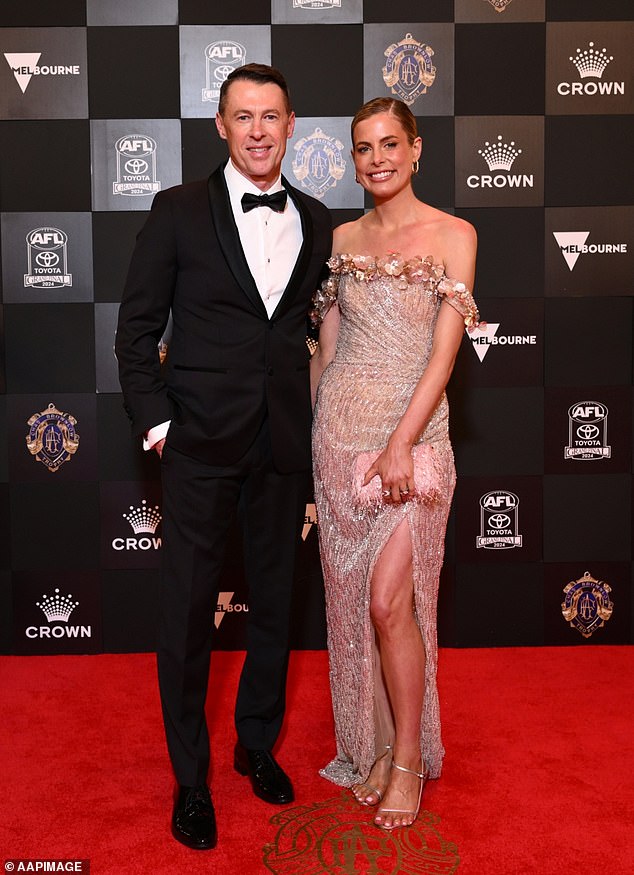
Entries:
{"x":384,"y":729}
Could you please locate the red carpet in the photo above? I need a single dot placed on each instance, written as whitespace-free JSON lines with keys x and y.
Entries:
{"x":538,"y":777}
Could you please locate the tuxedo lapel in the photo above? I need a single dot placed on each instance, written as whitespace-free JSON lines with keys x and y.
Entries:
{"x":303,"y":259}
{"x":227,"y":233}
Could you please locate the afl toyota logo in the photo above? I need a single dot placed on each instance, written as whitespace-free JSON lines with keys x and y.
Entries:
{"x":498,"y":521}
{"x":136,"y":166}
{"x":46,"y":259}
{"x":587,"y":431}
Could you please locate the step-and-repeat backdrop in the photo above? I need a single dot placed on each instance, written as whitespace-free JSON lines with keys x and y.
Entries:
{"x":525,"y":108}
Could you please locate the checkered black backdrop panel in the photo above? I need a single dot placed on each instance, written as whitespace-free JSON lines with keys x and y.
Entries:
{"x":526,"y":111}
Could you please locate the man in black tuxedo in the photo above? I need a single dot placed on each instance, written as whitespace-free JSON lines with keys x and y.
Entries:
{"x":230,"y":418}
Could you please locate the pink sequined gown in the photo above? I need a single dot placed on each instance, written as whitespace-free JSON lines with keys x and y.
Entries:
{"x":388,"y":311}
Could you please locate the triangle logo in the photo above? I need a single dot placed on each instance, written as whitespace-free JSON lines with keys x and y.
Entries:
{"x":483,"y":338}
{"x":310,"y":518}
{"x":224,"y":600}
{"x":22,"y":64}
{"x":571,"y":243}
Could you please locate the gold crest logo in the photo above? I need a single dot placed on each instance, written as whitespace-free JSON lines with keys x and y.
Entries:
{"x":318,"y":164}
{"x":499,"y":5}
{"x":52,"y":438}
{"x":409,"y":71}
{"x":336,"y":836}
{"x":587,"y":605}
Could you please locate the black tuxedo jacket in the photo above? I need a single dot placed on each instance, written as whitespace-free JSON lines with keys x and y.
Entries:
{"x":228,"y":364}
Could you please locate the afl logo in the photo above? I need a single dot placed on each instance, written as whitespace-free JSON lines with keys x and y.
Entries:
{"x":135,"y":147}
{"x":588,"y":411}
{"x":497,"y":500}
{"x":46,"y":238}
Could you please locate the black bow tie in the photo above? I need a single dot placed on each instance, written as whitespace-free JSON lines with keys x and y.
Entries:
{"x":275,"y":201}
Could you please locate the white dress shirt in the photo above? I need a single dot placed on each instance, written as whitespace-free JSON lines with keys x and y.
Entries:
{"x":271,"y":243}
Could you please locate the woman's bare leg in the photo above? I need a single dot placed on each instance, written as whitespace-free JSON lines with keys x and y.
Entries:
{"x":403,"y":663}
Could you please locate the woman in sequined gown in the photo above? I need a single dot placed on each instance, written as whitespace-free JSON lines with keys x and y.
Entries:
{"x":392,"y":314}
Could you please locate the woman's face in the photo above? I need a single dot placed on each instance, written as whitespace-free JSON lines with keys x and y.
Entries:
{"x":382,"y":155}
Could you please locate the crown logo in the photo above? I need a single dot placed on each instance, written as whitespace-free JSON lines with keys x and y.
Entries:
{"x":144,"y":518}
{"x":57,"y":607}
{"x":499,"y":155}
{"x":591,"y":61}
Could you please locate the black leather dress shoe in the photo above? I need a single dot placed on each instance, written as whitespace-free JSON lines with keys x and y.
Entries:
{"x":268,"y":780}
{"x":194,"y":819}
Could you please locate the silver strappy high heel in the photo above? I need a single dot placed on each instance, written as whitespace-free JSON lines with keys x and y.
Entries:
{"x":422,"y":777}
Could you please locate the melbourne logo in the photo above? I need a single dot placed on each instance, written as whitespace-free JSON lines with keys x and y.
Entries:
{"x":46,"y":253}
{"x":57,"y":609}
{"x":498,"y":521}
{"x":136,"y":166}
{"x":221,"y":58}
{"x":588,"y":431}
{"x":587,"y":605}
{"x":500,"y":157}
{"x":408,"y":70}
{"x":144,"y":521}
{"x":24,"y":66}
{"x":52,"y":438}
{"x":487,"y":337}
{"x":225,"y":606}
{"x":573,"y":244}
{"x":318,"y":164}
{"x":591,"y":63}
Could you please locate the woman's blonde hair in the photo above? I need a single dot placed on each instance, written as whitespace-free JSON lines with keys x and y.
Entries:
{"x":390,"y":105}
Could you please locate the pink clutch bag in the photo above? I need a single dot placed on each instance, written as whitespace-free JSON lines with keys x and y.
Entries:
{"x":428,"y":475}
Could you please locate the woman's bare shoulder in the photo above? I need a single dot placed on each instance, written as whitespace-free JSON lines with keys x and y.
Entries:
{"x":454,"y":234}
{"x":346,"y":237}
{"x":450,"y":225}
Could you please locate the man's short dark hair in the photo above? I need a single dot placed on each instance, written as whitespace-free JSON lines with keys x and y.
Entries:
{"x":259,"y":73}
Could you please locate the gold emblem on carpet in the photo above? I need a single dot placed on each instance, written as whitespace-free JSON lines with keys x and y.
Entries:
{"x":337,"y":837}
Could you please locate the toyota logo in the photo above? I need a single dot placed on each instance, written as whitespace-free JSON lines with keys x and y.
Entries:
{"x":499,"y":521}
{"x":136,"y":166}
{"x":587,"y":432}
{"x":221,"y":72}
{"x":46,"y":259}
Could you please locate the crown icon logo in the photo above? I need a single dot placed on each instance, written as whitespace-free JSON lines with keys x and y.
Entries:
{"x":499,"y":155}
{"x":591,"y":61}
{"x":144,"y":518}
{"x":57,"y":607}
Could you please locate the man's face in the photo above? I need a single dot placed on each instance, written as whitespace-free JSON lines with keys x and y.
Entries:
{"x":256,"y":125}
